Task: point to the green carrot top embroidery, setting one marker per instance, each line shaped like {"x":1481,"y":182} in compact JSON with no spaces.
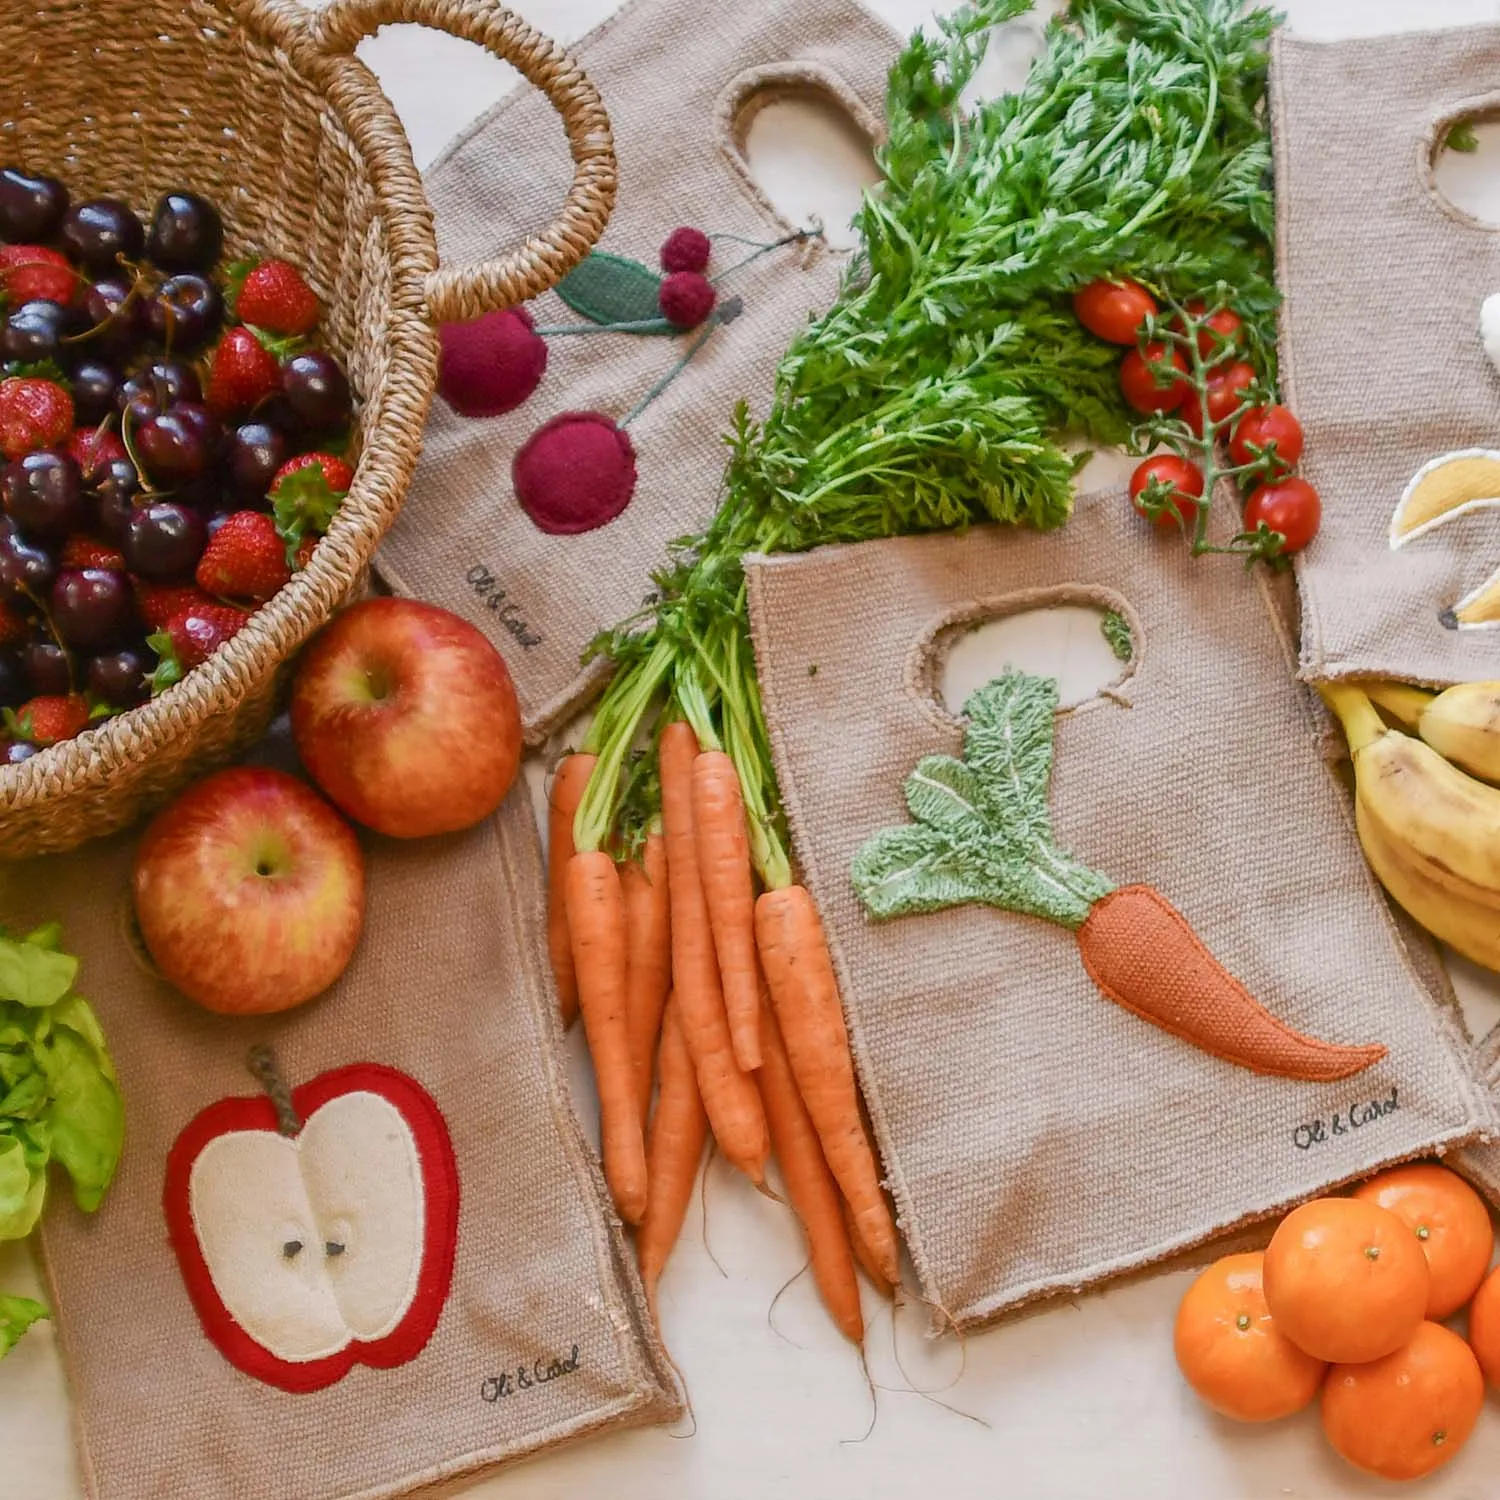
{"x":983,"y":835}
{"x":983,"y":832}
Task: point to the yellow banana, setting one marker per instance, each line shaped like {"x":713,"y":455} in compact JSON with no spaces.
{"x":1469,"y":927}
{"x":1462,"y":723}
{"x":1447,"y":823}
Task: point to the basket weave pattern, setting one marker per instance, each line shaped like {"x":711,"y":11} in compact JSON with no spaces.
{"x":261,"y":106}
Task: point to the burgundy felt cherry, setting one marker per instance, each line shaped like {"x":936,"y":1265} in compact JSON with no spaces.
{"x":686,"y":249}
{"x":575,"y":473}
{"x":687,"y":298}
{"x":490,"y":365}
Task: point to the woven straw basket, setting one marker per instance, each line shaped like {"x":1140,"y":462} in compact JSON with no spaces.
{"x":261,"y":106}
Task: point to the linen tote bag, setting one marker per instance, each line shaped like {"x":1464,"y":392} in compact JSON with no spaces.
{"x":1381,"y":353}
{"x":1036,"y":1137}
{"x":683,"y":79}
{"x":492,"y":1308}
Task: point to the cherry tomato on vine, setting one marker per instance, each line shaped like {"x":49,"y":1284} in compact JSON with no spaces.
{"x":1225,"y":322}
{"x":1290,"y":506}
{"x":1114,"y":310}
{"x":1168,"y":476}
{"x":1138,"y":380}
{"x":1262,"y":426}
{"x":1226,"y":388}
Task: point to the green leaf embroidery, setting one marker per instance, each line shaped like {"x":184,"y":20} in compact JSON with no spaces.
{"x":983,"y":831}
{"x":610,"y":289}
{"x":17,"y":1314}
{"x":1116,"y":630}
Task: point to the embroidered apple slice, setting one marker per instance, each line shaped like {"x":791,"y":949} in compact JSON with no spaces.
{"x":316,"y":1230}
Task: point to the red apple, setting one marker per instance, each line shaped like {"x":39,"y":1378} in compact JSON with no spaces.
{"x":322,"y":1241}
{"x":406,"y":717}
{"x":250,"y":892}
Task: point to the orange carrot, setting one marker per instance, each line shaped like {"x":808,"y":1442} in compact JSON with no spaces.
{"x":596,"y":925}
{"x":679,"y":1131}
{"x":862,"y":1254}
{"x":729,"y":1096}
{"x":805,"y":995}
{"x":729,"y":890}
{"x":568,"y":783}
{"x":1141,"y":953}
{"x":648,"y":956}
{"x":809,"y":1183}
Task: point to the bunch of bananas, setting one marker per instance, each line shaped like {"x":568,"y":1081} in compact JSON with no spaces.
{"x":1427,"y":816}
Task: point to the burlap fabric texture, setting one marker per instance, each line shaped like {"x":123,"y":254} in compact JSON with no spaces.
{"x":451,"y":987}
{"x":682,"y":80}
{"x":1381,"y":357}
{"x":1037,"y":1138}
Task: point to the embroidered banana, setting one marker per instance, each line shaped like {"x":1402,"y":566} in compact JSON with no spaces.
{"x":1462,"y":723}
{"x":1430,"y":833}
{"x":1440,"y":491}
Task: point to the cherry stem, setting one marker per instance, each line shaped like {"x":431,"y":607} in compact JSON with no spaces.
{"x":795,"y":238}
{"x":671,"y":374}
{"x":262,"y":1064}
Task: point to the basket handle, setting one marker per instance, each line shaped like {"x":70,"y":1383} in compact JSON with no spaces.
{"x":456,"y":294}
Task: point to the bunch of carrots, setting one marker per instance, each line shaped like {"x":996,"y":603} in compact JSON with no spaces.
{"x":724,"y":999}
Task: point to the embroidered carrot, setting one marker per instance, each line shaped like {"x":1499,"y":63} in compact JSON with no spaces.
{"x":729,"y":891}
{"x":809,"y":1183}
{"x":983,"y":834}
{"x":679,"y":1132}
{"x":568,"y":782}
{"x":805,"y":997}
{"x":729,"y":1096}
{"x":648,"y":960}
{"x":596,"y":927}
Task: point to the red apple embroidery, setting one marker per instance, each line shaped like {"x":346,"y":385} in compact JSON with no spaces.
{"x":316,"y":1229}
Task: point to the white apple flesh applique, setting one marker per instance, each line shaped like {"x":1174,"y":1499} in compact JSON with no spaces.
{"x":316,"y":1229}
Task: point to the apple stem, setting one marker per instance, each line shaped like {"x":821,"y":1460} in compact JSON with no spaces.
{"x":262,"y":1065}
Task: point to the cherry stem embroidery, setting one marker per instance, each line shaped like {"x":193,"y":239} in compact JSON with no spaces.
{"x":726,"y":313}
{"x":795,"y":238}
{"x":262,"y":1064}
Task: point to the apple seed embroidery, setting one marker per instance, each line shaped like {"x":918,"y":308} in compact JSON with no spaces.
{"x":316,"y":1227}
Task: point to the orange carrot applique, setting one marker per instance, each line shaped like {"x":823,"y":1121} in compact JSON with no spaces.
{"x":983,"y":834}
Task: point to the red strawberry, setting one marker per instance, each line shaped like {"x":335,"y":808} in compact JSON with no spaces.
{"x":305,"y":496}
{"x":91,"y":448}
{"x":45,"y":721}
{"x":337,"y":475}
{"x":274,"y":296}
{"x":244,"y":559}
{"x":12,"y":627}
{"x":160,"y":603}
{"x":243,"y":373}
{"x":33,"y":414}
{"x":188,"y":640}
{"x":81,"y":551}
{"x":32,"y":273}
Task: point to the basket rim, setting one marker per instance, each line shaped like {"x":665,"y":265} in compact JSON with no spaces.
{"x":387,"y":459}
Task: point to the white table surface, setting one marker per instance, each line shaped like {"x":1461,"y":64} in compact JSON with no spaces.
{"x":1080,"y":1401}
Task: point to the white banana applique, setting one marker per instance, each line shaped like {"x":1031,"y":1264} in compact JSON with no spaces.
{"x":1454,"y":485}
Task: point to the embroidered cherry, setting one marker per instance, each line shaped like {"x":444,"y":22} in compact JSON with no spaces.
{"x":316,"y":1227}
{"x":686,"y":298}
{"x":686,"y":249}
{"x":575,"y":473}
{"x":492,"y":364}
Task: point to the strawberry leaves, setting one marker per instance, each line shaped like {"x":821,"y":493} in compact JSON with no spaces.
{"x":303,"y":503}
{"x":169,"y":669}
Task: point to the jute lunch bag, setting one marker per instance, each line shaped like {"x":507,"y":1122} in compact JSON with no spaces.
{"x":1381,"y":353}
{"x":683,"y":79}
{"x":462,"y":1222}
{"x":1038,"y":1138}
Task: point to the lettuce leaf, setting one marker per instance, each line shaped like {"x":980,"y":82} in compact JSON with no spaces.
{"x":59,"y":1101}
